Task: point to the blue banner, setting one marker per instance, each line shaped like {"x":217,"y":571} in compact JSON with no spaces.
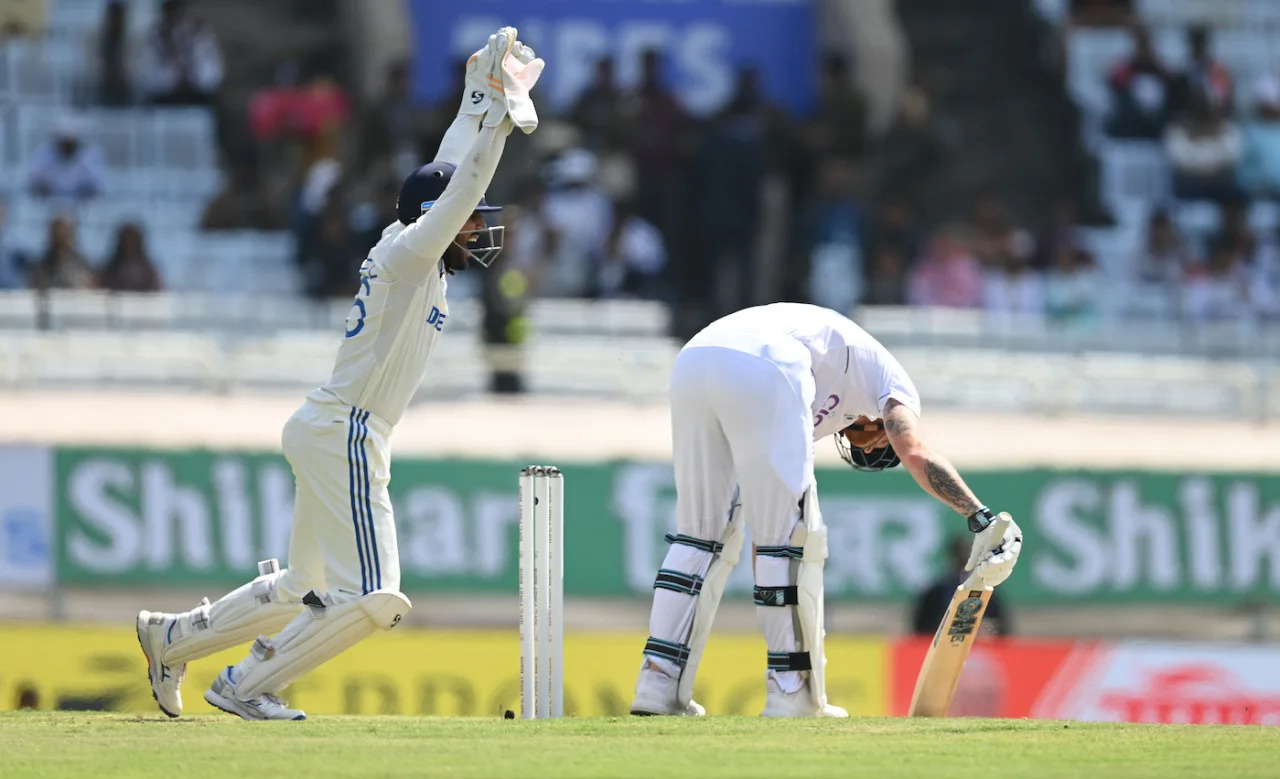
{"x":704,"y":42}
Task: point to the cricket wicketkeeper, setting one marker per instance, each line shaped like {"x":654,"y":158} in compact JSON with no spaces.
{"x":343,"y":579}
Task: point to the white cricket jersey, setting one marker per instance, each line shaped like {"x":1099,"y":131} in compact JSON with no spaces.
{"x":399,"y":312}
{"x":854,"y":375}
{"x":391,"y":331}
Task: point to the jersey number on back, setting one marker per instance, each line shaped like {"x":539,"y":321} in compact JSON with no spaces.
{"x":358,"y":312}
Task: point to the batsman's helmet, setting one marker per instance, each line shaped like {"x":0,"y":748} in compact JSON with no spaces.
{"x":875,"y":460}
{"x":420,"y":191}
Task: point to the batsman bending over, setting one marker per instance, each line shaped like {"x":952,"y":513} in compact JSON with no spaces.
{"x":343,"y":579}
{"x":749,"y":396}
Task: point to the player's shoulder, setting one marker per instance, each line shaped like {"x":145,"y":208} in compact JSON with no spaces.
{"x":389,"y":252}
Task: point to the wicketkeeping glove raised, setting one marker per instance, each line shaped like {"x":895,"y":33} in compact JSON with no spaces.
{"x":521,"y":69}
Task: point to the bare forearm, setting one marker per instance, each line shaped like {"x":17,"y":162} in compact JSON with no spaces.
{"x":932,"y":471}
{"x":937,"y":476}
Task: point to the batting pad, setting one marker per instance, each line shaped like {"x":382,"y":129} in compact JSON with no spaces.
{"x":321,"y":632}
{"x":707,"y":603}
{"x":235,"y":619}
{"x":811,"y":536}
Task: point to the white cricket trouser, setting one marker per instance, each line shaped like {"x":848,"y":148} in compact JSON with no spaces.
{"x":343,"y":540}
{"x":741,"y":420}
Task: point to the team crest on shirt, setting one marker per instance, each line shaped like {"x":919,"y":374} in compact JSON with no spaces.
{"x":827,"y":407}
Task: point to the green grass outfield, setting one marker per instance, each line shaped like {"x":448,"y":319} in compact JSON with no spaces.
{"x":96,"y":746}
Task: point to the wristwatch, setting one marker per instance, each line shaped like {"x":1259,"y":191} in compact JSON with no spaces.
{"x":979,"y":519}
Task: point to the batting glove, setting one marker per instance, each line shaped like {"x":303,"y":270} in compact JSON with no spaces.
{"x":996,"y":545}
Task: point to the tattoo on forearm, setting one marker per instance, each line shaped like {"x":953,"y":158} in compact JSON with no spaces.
{"x":895,"y":424}
{"x":947,"y":485}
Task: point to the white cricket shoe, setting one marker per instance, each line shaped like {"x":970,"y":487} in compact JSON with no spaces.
{"x":795,"y":704}
{"x":222,"y":695}
{"x":656,"y":696}
{"x":155,"y":632}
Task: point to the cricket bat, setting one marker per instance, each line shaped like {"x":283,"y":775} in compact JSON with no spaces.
{"x":940,"y":672}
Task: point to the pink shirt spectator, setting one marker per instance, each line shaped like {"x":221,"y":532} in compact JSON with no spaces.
{"x":305,"y":111}
{"x":947,"y":276}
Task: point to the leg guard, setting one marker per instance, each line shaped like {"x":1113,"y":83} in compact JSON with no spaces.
{"x":236,"y":618}
{"x":321,"y":632}
{"x":806,"y":554}
{"x":702,"y":594}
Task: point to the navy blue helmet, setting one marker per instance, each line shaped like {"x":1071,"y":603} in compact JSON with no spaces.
{"x":878,"y":459}
{"x":420,"y":191}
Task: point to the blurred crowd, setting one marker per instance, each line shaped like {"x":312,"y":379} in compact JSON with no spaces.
{"x":178,"y":63}
{"x":626,"y":194}
{"x":1222,"y":144}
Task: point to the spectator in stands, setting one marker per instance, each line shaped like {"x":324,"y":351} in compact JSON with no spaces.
{"x":886,"y":282}
{"x":1060,"y":231}
{"x":66,"y":167}
{"x":13,"y":265}
{"x":831,"y":229}
{"x":373,"y":207}
{"x":1260,"y":165}
{"x":129,"y":269}
{"x":1142,"y":92}
{"x":1266,"y":277}
{"x":1223,"y":289}
{"x":932,"y":602}
{"x":441,"y":114}
{"x":533,"y":242}
{"x":63,"y":266}
{"x":1204,"y":150}
{"x":181,"y":59}
{"x":599,"y":112}
{"x":914,"y":147}
{"x":632,"y":258}
{"x":394,"y":126}
{"x":114,"y":87}
{"x":310,"y":116}
{"x":893,"y":227}
{"x":948,"y":274}
{"x":1204,"y":75}
{"x":997,"y":244}
{"x":1161,"y":263}
{"x":329,"y":265}
{"x":732,"y":162}
{"x":1074,"y":290}
{"x":1014,"y":287}
{"x":237,"y":206}
{"x":580,"y":213}
{"x":660,"y":144}
{"x":1235,"y":233}
{"x":839,"y":126}
{"x":320,"y":187}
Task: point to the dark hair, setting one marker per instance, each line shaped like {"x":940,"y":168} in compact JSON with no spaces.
{"x":117,"y":254}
